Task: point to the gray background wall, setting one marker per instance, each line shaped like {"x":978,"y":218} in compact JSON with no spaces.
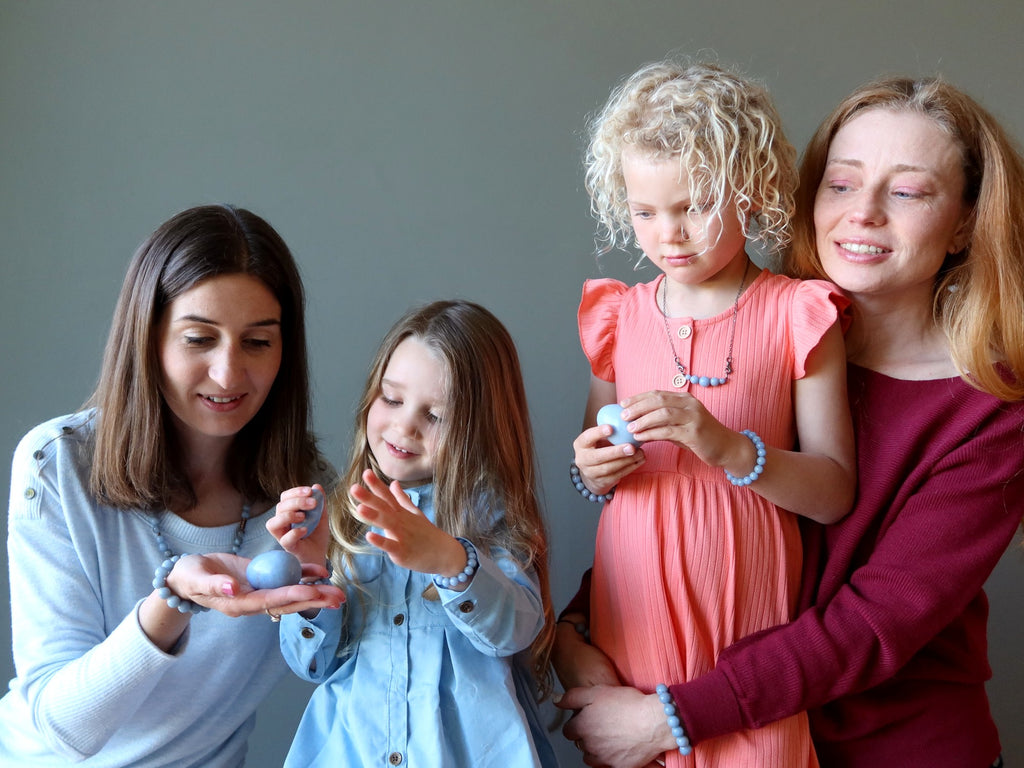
{"x":406,"y":151}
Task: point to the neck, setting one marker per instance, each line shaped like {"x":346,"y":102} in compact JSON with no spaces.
{"x":709,"y":298}
{"x":204,"y":462}
{"x":898,"y":338}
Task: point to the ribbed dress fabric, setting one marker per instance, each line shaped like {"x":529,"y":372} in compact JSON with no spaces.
{"x":685,"y":562}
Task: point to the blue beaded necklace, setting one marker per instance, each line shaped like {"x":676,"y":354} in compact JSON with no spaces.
{"x":165,"y":548}
{"x":692,"y":378}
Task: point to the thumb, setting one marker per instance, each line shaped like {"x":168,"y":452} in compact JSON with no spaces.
{"x":575,"y":698}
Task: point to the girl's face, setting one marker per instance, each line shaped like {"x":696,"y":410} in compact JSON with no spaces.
{"x":403,"y":423}
{"x":680,"y":235}
{"x":220,"y":351}
{"x":890,"y":204}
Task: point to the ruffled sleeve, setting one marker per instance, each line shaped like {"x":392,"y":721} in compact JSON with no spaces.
{"x":816,"y":306}
{"x":598,"y":321}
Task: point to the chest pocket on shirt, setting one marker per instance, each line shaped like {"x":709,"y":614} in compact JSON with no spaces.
{"x":367,"y":568}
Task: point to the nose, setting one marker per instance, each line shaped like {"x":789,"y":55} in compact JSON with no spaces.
{"x":406,"y":424}
{"x":673,"y":229}
{"x":227,"y":368}
{"x":867,"y":207}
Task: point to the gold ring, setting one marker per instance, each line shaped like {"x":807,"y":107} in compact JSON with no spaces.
{"x":273,"y":616}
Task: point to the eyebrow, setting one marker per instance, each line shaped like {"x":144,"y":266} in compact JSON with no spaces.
{"x":900,"y":168}
{"x":270,"y":321}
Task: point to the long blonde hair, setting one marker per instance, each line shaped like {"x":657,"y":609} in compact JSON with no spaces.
{"x":485,"y":458}
{"x":978,"y":297}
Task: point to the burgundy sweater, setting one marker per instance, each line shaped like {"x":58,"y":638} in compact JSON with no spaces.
{"x":888,"y":652}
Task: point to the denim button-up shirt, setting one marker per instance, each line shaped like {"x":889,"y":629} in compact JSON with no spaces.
{"x":409,"y":680}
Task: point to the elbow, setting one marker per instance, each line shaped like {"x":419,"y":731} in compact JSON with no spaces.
{"x":839,"y":500}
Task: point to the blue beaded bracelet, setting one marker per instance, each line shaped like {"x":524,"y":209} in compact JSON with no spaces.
{"x":758,"y":463}
{"x":165,"y":592}
{"x":586,"y":493}
{"x":450,"y":582}
{"x":678,"y":732}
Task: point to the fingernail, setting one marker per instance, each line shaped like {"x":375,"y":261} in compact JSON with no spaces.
{"x":227,"y":589}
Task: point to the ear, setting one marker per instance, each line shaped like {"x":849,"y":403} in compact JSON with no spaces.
{"x":962,"y":235}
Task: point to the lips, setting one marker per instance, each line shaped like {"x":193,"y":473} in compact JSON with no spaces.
{"x":679,"y":259}
{"x":863,"y":249}
{"x":221,"y":403}
{"x":399,"y":453}
{"x":221,"y":400}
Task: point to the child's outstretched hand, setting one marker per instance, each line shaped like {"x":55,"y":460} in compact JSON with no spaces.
{"x":409,"y":539}
{"x":292,"y":509}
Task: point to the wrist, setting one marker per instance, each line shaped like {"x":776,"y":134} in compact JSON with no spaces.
{"x":455,"y":558}
{"x":750,"y":459}
{"x":174,"y":598}
{"x":672,"y":734}
{"x":460,"y":579}
{"x":576,"y":478}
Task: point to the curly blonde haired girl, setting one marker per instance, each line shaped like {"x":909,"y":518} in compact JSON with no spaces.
{"x":721,"y":129}
{"x":723,"y":371}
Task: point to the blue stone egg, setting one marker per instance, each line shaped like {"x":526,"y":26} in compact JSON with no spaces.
{"x":313,"y":516}
{"x":612,"y":414}
{"x":274,"y":569}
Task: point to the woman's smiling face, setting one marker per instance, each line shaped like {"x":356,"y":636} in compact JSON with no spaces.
{"x":220,"y":352}
{"x":889,"y":207}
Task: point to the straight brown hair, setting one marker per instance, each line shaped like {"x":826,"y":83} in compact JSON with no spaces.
{"x":136,"y":461}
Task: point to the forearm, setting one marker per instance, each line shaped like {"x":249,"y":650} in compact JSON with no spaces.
{"x":162,"y":624}
{"x":813,"y":486}
{"x":500,"y":611}
{"x":79,"y":704}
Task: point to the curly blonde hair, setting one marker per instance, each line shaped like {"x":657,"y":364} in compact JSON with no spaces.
{"x":721,"y":126}
{"x":979,"y":291}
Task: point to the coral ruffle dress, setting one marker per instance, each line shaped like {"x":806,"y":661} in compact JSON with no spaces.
{"x":685,"y":562}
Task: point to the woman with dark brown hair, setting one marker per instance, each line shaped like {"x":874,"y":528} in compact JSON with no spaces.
{"x":133,"y":518}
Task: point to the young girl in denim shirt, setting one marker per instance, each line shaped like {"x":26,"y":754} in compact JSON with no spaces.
{"x":438,"y":540}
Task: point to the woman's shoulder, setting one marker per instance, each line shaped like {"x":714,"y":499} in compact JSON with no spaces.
{"x":948,"y":405}
{"x":44,"y":440}
{"x":325,"y":473}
